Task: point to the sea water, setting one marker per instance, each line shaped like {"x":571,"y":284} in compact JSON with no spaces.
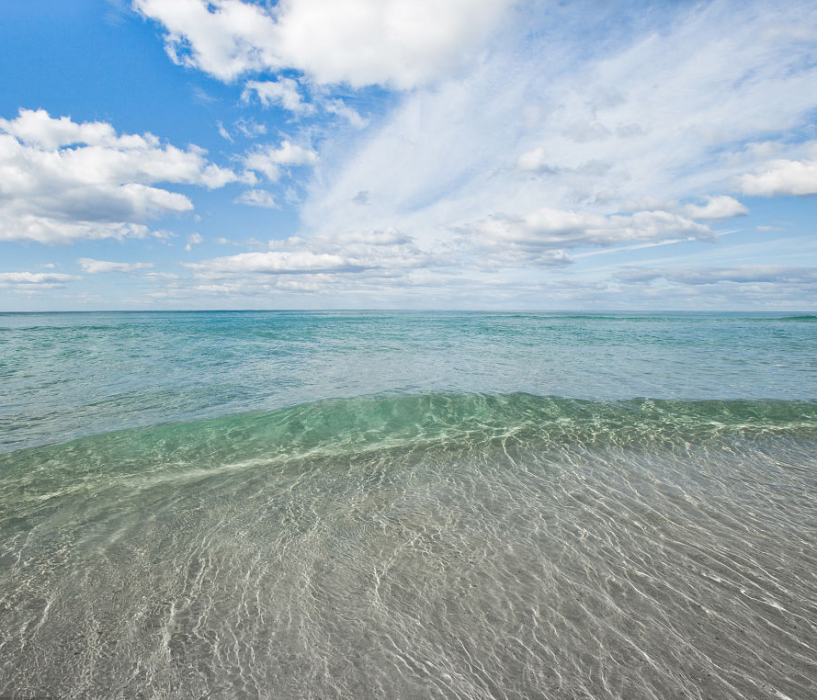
{"x":408,"y":505}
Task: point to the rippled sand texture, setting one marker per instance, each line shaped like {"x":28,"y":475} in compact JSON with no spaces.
{"x":433,"y":547}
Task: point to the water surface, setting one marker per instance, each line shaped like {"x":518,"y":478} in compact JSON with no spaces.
{"x":285,"y":505}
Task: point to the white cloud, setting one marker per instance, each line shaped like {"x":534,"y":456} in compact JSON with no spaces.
{"x":285,"y":93}
{"x":399,"y":43}
{"x":390,"y":260}
{"x":223,"y":132}
{"x":251,"y":128}
{"x":93,"y":267}
{"x":356,"y":253}
{"x":277,"y":262}
{"x":388,"y":237}
{"x":282,"y":92}
{"x":746,"y":274}
{"x":201,"y":95}
{"x":782,"y":177}
{"x":270,"y":160}
{"x":100,"y":156}
{"x":193,"y":239}
{"x":227,"y":42}
{"x":257,"y":198}
{"x":61,"y":181}
{"x":37,"y":128}
{"x":341,"y":109}
{"x":534,"y":161}
{"x":548,"y":229}
{"x":41,"y":280}
{"x":721,"y":207}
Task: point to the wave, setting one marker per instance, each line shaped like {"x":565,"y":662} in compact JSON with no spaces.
{"x":341,"y":428}
{"x":807,"y":318}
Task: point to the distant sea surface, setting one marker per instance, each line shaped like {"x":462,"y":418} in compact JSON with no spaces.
{"x":408,"y":505}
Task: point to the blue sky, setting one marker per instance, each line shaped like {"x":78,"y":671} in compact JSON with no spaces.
{"x":474,"y":154}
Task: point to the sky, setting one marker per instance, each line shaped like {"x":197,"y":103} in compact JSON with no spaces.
{"x":408,"y":154}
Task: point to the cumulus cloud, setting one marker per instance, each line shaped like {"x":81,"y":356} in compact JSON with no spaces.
{"x":270,"y":160}
{"x":782,"y":177}
{"x":360,"y":256}
{"x":721,"y":207}
{"x":93,"y":267}
{"x":193,"y":239}
{"x":286,"y":94}
{"x":257,"y":198}
{"x":33,"y":281}
{"x":386,"y":252}
{"x":387,"y":237}
{"x":548,"y":229}
{"x":61,"y":180}
{"x":283,"y":93}
{"x":38,"y":128}
{"x":280,"y":262}
{"x":398,"y":43}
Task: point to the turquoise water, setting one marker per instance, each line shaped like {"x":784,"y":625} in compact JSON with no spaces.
{"x":451,"y":505}
{"x":68,"y":375}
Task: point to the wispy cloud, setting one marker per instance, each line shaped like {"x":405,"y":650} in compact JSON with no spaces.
{"x":747,"y":274}
{"x":93,"y":267}
{"x":250,"y":128}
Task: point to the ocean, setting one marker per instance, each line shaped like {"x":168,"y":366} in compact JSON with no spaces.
{"x":408,"y":505}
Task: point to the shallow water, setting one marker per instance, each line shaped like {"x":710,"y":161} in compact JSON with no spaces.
{"x":68,"y":375}
{"x":433,"y":541}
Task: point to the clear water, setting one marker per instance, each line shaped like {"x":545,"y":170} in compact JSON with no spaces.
{"x":361,"y":505}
